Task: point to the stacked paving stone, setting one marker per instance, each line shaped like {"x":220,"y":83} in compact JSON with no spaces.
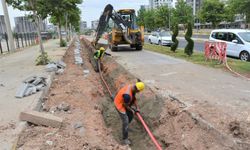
{"x":30,"y":86}
{"x":57,"y":67}
{"x":77,"y":52}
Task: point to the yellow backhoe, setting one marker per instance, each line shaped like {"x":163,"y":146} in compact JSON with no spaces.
{"x":124,"y":28}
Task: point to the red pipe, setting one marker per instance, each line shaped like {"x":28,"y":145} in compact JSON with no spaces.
{"x":99,"y":68}
{"x":149,"y":132}
{"x":137,"y":113}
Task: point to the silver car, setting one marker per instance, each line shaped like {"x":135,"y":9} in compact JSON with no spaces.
{"x":161,"y":38}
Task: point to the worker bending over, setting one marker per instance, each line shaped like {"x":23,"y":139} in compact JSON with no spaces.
{"x":98,"y":55}
{"x":124,"y":100}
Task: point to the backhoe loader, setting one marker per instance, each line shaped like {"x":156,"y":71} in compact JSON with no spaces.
{"x":124,"y":28}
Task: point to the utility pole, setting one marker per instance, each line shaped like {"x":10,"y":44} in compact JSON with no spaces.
{"x":8,"y":28}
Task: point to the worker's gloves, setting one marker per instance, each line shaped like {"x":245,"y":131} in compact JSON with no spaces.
{"x":112,"y":97}
{"x":135,"y":110}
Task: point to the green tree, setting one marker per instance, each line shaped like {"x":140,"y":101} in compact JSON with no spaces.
{"x":190,"y":45}
{"x":212,"y":11}
{"x":140,"y":17}
{"x":56,"y":8}
{"x":149,"y":19}
{"x":162,"y":16}
{"x":183,"y":13}
{"x":240,"y":7}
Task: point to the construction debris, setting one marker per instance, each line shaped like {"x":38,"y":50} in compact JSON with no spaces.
{"x":86,"y":72}
{"x":57,"y":67}
{"x":30,"y":86}
{"x":49,"y":143}
{"x":40,"y":118}
{"x":78,"y":125}
{"x":61,"y":107}
{"x":77,"y":53}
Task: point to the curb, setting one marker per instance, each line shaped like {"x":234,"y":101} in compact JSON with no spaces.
{"x":37,"y":103}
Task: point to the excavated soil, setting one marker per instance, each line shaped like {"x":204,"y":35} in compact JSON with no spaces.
{"x":83,"y":125}
{"x":100,"y":126}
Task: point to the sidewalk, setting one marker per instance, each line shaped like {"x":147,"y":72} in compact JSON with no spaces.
{"x":14,"y":68}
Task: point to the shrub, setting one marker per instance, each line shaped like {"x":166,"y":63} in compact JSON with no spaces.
{"x":63,"y":43}
{"x":174,"y":46}
{"x":190,"y":45}
{"x":42,"y":59}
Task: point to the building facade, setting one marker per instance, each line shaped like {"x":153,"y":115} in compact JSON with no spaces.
{"x":94,"y":24}
{"x":2,"y":25}
{"x":83,"y":25}
{"x":24,"y":24}
{"x":157,"y":3}
{"x":195,"y":4}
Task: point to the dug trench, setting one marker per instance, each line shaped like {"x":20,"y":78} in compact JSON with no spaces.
{"x":91,"y":121}
{"x":168,"y":118}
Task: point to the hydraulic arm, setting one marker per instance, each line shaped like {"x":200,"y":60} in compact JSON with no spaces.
{"x":122,"y":24}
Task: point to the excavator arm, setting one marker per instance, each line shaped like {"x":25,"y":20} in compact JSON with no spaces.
{"x":104,"y":20}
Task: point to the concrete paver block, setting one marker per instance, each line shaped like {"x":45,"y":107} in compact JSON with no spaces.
{"x":22,"y":90}
{"x":39,"y":87}
{"x":51,"y":67}
{"x":61,"y":64}
{"x":40,"y":118}
{"x":28,"y":91}
{"x":37,"y":81}
{"x":30,"y":79}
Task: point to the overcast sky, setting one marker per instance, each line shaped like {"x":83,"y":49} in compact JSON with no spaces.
{"x":91,"y":9}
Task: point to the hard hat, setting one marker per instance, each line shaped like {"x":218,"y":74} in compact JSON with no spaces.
{"x":102,"y":49}
{"x":140,"y":86}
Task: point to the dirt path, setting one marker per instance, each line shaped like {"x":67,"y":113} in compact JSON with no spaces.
{"x":14,"y":68}
{"x":83,"y":127}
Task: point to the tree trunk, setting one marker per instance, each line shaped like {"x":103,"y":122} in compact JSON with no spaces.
{"x":39,"y":35}
{"x":59,"y":26}
{"x":37,"y":22}
{"x":66,"y":28}
{"x":70,"y":32}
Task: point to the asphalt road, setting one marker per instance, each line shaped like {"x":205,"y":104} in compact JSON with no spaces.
{"x":195,"y":84}
{"x":203,"y":89}
{"x":198,"y":44}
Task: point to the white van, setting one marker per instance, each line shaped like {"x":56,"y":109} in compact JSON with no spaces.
{"x":238,"y":41}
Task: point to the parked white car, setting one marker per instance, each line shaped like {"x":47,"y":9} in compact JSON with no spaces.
{"x":160,"y":38}
{"x":238,"y":42}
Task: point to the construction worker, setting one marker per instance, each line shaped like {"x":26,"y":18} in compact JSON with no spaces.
{"x":98,"y":55}
{"x":126,"y":105}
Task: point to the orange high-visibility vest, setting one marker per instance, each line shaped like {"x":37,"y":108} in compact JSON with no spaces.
{"x":119,"y":101}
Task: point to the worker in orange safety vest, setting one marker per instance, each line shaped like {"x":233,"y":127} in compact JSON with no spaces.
{"x":124,"y":102}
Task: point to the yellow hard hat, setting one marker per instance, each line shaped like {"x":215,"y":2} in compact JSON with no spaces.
{"x":140,"y":86}
{"x":102,"y":49}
